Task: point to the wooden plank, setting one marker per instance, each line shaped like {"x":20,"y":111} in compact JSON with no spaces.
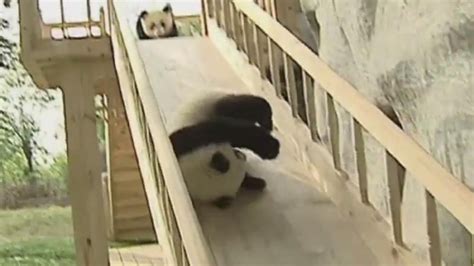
{"x":290,"y":84}
{"x":433,"y":230}
{"x":359,"y":147}
{"x":236,"y":26}
{"x":277,"y":62}
{"x":244,"y":33}
{"x":218,"y":12}
{"x":134,"y":224}
{"x":393,"y":182}
{"x":191,"y":232}
{"x":204,"y":14}
{"x":448,"y":190}
{"x":251,"y":52}
{"x":227,"y":19}
{"x":85,"y":184}
{"x":134,"y":212}
{"x":309,"y":87}
{"x":333,"y":127}
{"x":300,"y":92}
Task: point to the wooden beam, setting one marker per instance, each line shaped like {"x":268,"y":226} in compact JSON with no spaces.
{"x":85,"y":184}
{"x":446,"y":188}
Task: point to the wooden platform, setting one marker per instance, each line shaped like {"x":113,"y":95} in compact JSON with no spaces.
{"x":292,"y":222}
{"x":136,"y":255}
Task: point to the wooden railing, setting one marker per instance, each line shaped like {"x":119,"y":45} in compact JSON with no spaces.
{"x":85,"y":29}
{"x":267,"y":43}
{"x":174,"y":219}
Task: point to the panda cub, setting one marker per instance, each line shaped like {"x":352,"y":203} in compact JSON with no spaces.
{"x":206,"y":136}
{"x":163,"y":24}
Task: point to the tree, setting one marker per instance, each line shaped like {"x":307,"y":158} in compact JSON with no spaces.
{"x":19,"y":100}
{"x":19,"y":130}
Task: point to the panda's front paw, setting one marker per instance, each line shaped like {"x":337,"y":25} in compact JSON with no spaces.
{"x":223,"y":202}
{"x":253,"y":183}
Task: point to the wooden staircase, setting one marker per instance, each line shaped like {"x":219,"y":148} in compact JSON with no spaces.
{"x":130,"y":218}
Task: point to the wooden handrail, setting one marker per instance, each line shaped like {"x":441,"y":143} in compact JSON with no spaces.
{"x":448,"y":190}
{"x":196,"y":246}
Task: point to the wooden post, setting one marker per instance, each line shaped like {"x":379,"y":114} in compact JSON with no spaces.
{"x":85,"y":184}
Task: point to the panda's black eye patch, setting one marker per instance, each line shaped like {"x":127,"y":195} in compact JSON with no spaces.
{"x":162,"y":24}
{"x":220,"y":163}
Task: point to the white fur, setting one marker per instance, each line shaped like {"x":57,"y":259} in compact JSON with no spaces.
{"x":207,"y":184}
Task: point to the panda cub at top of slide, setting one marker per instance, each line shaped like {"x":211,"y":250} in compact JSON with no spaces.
{"x":206,"y":134}
{"x":158,"y":24}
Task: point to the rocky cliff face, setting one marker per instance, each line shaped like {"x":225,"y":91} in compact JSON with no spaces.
{"x":415,"y":60}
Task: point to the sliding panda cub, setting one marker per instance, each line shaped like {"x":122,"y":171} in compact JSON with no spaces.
{"x":160,"y":24}
{"x":206,"y":137}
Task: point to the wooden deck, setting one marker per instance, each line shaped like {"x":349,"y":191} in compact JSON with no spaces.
{"x":292,"y":222}
{"x":136,"y":255}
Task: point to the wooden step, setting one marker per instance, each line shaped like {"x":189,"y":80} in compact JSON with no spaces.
{"x":143,"y":222}
{"x":147,"y":234}
{"x":123,"y":160}
{"x":126,"y":175}
{"x":124,"y":202}
{"x":131,"y":212}
{"x":127,"y":192}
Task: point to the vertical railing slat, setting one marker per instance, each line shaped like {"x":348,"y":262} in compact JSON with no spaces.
{"x":395,"y":197}
{"x":361,"y":163}
{"x":309,"y":97}
{"x":433,"y":230}
{"x":333,"y":126}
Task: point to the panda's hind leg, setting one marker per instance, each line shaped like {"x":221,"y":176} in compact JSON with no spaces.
{"x":253,"y":183}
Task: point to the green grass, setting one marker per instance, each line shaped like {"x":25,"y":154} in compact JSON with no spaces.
{"x":36,"y":237}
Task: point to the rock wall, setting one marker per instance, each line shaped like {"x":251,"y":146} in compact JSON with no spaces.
{"x":415,"y":60}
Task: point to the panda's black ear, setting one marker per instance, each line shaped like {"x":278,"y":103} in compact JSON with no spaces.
{"x":167,"y":8}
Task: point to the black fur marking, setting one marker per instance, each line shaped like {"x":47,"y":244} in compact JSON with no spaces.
{"x":223,"y":202}
{"x":247,"y":107}
{"x":174,"y":30}
{"x":172,"y":33}
{"x":238,"y":133}
{"x":167,"y":8}
{"x":220,"y":163}
{"x":139,"y":27}
{"x":253,"y":183}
